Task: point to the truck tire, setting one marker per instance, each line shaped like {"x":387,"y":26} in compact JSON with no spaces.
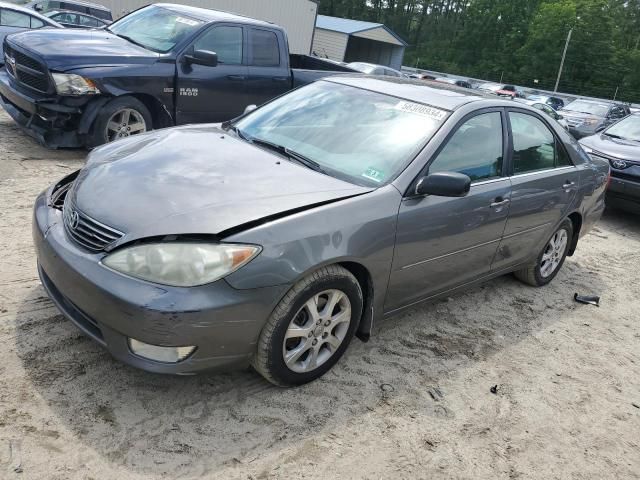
{"x":120,"y":118}
{"x":550,"y":260}
{"x":311,"y":327}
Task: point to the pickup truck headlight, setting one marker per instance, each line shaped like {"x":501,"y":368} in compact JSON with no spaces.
{"x":70,"y":84}
{"x":181,"y":264}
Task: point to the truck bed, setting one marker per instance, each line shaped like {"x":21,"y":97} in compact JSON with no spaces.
{"x":306,"y":69}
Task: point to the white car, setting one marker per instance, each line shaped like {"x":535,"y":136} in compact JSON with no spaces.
{"x":16,"y":19}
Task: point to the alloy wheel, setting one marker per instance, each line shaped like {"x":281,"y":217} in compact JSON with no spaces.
{"x":553,"y":253}
{"x":316,"y":331}
{"x":124,"y":123}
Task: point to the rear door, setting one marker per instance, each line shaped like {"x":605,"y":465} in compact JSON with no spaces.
{"x":444,"y":242}
{"x":544,"y":182}
{"x":214,"y":94}
{"x":269,"y":74}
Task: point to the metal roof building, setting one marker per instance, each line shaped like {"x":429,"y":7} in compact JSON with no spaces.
{"x":297,"y":17}
{"x":347,"y":40}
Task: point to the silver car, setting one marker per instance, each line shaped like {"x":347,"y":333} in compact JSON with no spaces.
{"x":272,"y":240}
{"x":14,"y":18}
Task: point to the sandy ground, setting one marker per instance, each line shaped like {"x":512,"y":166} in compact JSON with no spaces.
{"x":414,"y":402}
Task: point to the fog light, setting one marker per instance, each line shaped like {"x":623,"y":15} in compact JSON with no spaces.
{"x":160,"y":354}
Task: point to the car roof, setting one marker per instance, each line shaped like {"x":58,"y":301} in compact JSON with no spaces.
{"x":442,"y":95}
{"x":28,"y":11}
{"x":208,"y":15}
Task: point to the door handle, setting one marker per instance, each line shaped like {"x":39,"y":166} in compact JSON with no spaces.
{"x":281,"y":79}
{"x":236,"y":77}
{"x":568,"y":186}
{"x":499,"y":203}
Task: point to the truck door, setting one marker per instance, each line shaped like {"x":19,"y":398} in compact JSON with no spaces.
{"x":269,"y":74}
{"x":213,"y":94}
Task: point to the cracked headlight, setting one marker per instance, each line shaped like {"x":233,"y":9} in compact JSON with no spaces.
{"x":70,"y":84}
{"x":181,"y":264}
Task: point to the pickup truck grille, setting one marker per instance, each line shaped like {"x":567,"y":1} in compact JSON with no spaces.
{"x":26,"y":70}
{"x":85,"y":231}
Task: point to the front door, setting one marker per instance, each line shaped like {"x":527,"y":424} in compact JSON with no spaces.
{"x":544,"y":181}
{"x":213,"y":94}
{"x":445,"y":242}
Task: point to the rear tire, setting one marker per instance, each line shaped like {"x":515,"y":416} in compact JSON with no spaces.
{"x":311,"y":327}
{"x":550,"y":260}
{"x":120,"y":118}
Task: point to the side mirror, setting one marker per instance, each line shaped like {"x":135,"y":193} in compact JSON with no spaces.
{"x":202,"y":57}
{"x":37,"y":7}
{"x":250,"y":108}
{"x":444,"y":184}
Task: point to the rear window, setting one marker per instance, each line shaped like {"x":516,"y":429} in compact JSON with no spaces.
{"x":264,"y":48}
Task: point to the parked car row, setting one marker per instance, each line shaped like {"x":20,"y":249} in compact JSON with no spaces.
{"x":274,"y":234}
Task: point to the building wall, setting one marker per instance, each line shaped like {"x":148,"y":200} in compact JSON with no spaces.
{"x":371,"y":51}
{"x":297,"y":17}
{"x":328,"y":44}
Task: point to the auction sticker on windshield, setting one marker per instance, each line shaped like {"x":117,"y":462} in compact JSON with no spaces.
{"x":373,"y":174}
{"x":188,"y":21}
{"x":423,"y":110}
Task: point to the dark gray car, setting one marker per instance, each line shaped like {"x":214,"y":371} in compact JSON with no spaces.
{"x":587,"y":117}
{"x":620,"y":145}
{"x":273,"y":239}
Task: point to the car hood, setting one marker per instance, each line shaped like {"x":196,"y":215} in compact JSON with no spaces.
{"x":613,"y":147}
{"x":67,"y":49}
{"x":195,"y":180}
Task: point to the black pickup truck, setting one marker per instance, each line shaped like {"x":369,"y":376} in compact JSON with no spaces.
{"x":159,"y":66}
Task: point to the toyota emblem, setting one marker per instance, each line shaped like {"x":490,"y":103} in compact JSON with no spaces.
{"x":12,"y":61}
{"x":74,"y":220}
{"x":619,"y":164}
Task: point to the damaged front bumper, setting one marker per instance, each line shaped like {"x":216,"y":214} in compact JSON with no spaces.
{"x":223,"y":323}
{"x":55,"y":122}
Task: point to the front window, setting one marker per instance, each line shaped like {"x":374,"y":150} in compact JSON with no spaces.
{"x":226,"y":41}
{"x":627,"y":129}
{"x":363,"y":137}
{"x":591,"y":108}
{"x":475,"y":149}
{"x":155,"y":28}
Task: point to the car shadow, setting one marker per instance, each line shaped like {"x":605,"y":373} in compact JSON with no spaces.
{"x":183,"y":426}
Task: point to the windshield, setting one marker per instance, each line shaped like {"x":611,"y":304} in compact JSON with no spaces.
{"x":360,"y":136}
{"x":155,"y":28}
{"x":599,"y":109}
{"x":627,"y":129}
{"x":362,"y":67}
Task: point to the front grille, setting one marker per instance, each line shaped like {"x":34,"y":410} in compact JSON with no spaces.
{"x":26,"y":70}
{"x":85,"y":231}
{"x":625,"y":176}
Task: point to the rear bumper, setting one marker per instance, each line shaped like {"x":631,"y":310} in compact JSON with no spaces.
{"x":624,"y":193}
{"x":223,"y":323}
{"x":46,"y":119}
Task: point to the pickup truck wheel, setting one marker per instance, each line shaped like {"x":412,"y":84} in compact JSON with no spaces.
{"x":550,"y":259}
{"x":120,"y":118}
{"x":310,"y":328}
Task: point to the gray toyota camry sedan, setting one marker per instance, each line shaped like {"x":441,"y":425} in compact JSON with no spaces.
{"x":274,"y":239}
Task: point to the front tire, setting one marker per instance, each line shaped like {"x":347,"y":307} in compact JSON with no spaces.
{"x":550,"y":259}
{"x":120,"y":118}
{"x":311,"y":327}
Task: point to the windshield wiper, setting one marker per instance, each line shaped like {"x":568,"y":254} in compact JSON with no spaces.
{"x":230,"y":127}
{"x":129,"y":39}
{"x":301,"y":159}
{"x":612,"y":135}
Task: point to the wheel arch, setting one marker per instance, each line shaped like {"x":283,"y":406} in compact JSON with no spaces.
{"x":363,"y":276}
{"x":159,"y":113}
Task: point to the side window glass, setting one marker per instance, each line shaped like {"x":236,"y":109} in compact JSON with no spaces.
{"x":87,"y":21}
{"x":534,"y":146}
{"x":36,"y":23}
{"x":225,"y":41}
{"x":11,"y":18}
{"x":475,"y":149}
{"x":264,"y":48}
